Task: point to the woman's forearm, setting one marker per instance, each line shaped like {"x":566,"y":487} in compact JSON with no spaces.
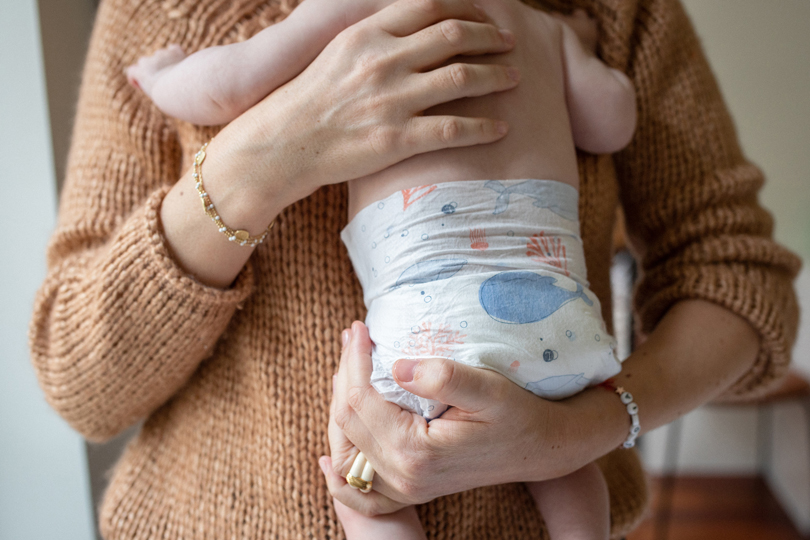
{"x":339,"y":119}
{"x":697,"y":351}
{"x":242,"y":202}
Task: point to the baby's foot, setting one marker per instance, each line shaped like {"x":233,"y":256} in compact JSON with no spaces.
{"x":149,"y":69}
{"x":403,"y":524}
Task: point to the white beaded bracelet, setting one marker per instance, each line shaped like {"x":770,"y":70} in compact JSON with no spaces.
{"x":632,"y":410}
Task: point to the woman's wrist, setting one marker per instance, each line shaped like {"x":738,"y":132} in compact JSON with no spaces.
{"x":244,"y":197}
{"x":594,"y":422}
{"x":247,"y":181}
{"x":560,"y":437}
{"x":667,"y":376}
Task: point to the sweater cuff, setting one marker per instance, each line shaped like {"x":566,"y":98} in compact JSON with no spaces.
{"x":166,"y":269}
{"x":760,"y":294}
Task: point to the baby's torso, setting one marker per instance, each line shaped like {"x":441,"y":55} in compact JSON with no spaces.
{"x":539,"y":143}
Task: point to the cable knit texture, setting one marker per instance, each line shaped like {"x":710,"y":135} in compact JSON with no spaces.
{"x":234,"y":385}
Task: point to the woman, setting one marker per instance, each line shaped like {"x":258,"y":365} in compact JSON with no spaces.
{"x":232,"y":367}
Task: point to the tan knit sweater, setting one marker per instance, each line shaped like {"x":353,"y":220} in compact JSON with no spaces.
{"x":235,"y":384}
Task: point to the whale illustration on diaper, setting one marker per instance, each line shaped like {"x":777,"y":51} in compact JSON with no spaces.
{"x":544,"y":195}
{"x":431,"y":270}
{"x":520,"y":297}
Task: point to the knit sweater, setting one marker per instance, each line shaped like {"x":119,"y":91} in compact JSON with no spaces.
{"x":234,"y":384}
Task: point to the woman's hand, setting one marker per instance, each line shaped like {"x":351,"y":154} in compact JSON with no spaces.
{"x":494,"y":433}
{"x":498,"y":432}
{"x":357,"y":108}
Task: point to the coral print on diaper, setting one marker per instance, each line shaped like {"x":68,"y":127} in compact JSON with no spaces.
{"x":525,"y":297}
{"x":478,"y":239}
{"x":547,"y":250}
{"x":544,"y":197}
{"x":429,"y":340}
{"x":411,"y":195}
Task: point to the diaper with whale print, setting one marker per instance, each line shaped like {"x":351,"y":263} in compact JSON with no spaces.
{"x":490,"y":273}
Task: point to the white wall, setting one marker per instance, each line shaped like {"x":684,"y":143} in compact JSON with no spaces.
{"x":43,"y":478}
{"x":760,"y":53}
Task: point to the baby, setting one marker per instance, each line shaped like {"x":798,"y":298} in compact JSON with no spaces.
{"x":472,"y":253}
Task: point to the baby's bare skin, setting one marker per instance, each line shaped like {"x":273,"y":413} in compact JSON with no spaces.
{"x":543,"y":132}
{"x":566,"y":97}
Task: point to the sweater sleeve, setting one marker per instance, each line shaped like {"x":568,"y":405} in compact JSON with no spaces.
{"x":117,"y":327}
{"x":690,"y":198}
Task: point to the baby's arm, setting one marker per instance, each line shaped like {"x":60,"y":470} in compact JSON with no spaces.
{"x":217,"y":84}
{"x":601,"y":100}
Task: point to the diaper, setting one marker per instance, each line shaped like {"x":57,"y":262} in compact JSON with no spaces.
{"x":489,"y":273}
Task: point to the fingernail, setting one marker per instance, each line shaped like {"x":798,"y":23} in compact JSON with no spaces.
{"x":322,"y":464}
{"x":481,"y":13}
{"x":502,"y":127}
{"x":404,"y":369}
{"x":345,"y":337}
{"x":334,"y":382}
{"x":513,"y":73}
{"x":507,"y":36}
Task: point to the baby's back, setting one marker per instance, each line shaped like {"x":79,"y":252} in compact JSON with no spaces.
{"x":540,"y":142}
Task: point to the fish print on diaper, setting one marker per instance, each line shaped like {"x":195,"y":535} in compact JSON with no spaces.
{"x":544,"y":195}
{"x":432,"y":270}
{"x":566,"y":384}
{"x":488,"y":273}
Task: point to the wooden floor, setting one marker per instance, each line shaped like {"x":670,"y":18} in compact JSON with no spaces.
{"x":718,"y":508}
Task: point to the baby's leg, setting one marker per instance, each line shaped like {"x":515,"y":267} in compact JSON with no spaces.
{"x":402,"y":525}
{"x":215,"y":85}
{"x":576,"y":506}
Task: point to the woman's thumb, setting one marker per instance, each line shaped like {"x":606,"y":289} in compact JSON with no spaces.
{"x":446,"y":381}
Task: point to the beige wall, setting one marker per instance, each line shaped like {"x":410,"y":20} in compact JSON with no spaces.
{"x":760,"y":53}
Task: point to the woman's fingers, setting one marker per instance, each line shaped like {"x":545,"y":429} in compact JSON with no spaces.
{"x":358,"y":405}
{"x":369,"y":504}
{"x":357,"y":108}
{"x":436,"y":44}
{"x":429,"y":133}
{"x":342,"y":450}
{"x":406,"y":17}
{"x":458,"y":81}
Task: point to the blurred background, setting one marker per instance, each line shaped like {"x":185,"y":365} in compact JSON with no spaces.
{"x":49,"y":477}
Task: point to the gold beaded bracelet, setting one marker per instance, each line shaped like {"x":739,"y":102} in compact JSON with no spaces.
{"x":240,"y":236}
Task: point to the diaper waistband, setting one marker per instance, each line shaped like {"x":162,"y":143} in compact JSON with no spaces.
{"x":477,"y":225}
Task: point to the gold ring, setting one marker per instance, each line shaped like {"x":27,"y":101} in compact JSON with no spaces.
{"x":358,"y":483}
{"x":361,"y":474}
